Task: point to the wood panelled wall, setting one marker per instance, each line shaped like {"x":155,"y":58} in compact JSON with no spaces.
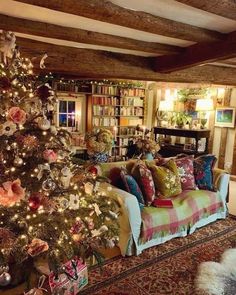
{"x":222,"y":141}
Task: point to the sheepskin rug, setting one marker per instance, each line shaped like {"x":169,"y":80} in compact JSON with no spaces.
{"x":215,"y":278}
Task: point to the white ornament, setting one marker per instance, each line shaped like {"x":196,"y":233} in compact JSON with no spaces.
{"x":88,"y":188}
{"x":74,"y":202}
{"x":53,"y":129}
{"x":44,"y":124}
{"x":96,"y":209}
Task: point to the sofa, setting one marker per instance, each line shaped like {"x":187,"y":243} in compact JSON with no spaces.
{"x":151,"y":226}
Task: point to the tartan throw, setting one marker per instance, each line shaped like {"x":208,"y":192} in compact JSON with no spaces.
{"x":188,"y":208}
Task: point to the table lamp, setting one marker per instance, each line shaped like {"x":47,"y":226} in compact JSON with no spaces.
{"x":203,"y":106}
{"x":166,"y":106}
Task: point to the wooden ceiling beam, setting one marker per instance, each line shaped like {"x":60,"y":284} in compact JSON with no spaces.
{"x":198,"y":54}
{"x":82,"y":36}
{"x":226,"y":8}
{"x":105,"y":11}
{"x":102,"y":64}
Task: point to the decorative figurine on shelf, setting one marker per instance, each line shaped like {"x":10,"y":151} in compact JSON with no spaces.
{"x":99,"y":144}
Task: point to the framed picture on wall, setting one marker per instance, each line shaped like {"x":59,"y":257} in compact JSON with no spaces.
{"x":225,"y":117}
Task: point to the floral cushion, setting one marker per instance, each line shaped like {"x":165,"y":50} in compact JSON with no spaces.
{"x":166,"y":179}
{"x":185,"y":169}
{"x":131,"y":186}
{"x":203,"y":171}
{"x":143,"y":176}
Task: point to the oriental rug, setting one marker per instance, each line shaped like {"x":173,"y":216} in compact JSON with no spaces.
{"x":169,"y":268}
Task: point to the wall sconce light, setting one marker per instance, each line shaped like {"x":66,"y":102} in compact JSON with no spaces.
{"x":203,"y":106}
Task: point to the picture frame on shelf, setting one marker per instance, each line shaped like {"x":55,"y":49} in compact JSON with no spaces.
{"x":225,"y":117}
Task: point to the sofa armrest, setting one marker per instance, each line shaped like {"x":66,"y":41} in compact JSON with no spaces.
{"x":129,"y":219}
{"x":221,"y":182}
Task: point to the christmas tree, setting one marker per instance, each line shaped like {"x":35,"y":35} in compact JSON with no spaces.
{"x":49,"y":206}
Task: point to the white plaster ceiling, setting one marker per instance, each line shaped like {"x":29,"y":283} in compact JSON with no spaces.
{"x":180,"y":12}
{"x":81,"y":45}
{"x":26,"y":11}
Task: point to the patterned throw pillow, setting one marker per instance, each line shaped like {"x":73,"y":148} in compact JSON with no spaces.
{"x":131,"y":186}
{"x":115,"y":177}
{"x":143,"y":176}
{"x":185,"y":169}
{"x":203,"y":171}
{"x":166,"y":179}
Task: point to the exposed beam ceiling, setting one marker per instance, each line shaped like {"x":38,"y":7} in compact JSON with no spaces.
{"x":82,"y":36}
{"x":198,"y":54}
{"x":226,"y":8}
{"x":94,"y":64}
{"x":108,"y":12}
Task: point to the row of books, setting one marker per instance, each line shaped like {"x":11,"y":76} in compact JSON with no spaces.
{"x":128,"y":131}
{"x":104,"y":100}
{"x":105,"y":89}
{"x":105,"y":122}
{"x":130,"y":111}
{"x":131,"y":101}
{"x":105,"y":110}
{"x":132,"y":92}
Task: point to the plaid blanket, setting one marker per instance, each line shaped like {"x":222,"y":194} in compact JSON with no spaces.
{"x":189,"y":207}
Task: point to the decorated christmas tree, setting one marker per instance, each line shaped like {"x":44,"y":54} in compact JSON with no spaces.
{"x":49,"y":207}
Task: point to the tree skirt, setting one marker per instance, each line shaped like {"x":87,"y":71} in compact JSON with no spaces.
{"x":169,"y":268}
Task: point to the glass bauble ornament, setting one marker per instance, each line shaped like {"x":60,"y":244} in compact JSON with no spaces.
{"x":5,"y":279}
{"x":18,"y":162}
{"x":44,"y":124}
{"x":34,"y":201}
{"x":48,"y":185}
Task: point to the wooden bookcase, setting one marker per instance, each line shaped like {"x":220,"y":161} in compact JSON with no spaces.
{"x":112,"y":106}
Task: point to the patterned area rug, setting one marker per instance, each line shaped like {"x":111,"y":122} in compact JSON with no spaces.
{"x":169,"y":268}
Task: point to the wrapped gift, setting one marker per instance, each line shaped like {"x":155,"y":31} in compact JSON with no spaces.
{"x":72,"y":277}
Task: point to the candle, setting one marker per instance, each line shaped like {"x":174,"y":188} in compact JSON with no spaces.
{"x":144,"y":129}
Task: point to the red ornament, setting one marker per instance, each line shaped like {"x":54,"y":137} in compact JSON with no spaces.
{"x":34,"y":201}
{"x":93,"y":170}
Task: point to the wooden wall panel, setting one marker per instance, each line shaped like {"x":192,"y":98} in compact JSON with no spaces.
{"x":222,"y":148}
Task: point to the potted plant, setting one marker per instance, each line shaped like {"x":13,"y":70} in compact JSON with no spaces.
{"x":181,"y":119}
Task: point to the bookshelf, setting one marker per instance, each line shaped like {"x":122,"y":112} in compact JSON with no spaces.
{"x":117,"y":106}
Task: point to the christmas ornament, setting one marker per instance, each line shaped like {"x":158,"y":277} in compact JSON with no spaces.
{"x":18,"y":162}
{"x":4,"y":268}
{"x":8,"y":128}
{"x":66,"y":177}
{"x":88,"y":188}
{"x":5,"y":279}
{"x":63,"y":203}
{"x":50,"y":156}
{"x":34,"y":201}
{"x":44,"y":124}
{"x":93,"y":170}
{"x":48,"y":185}
{"x":74,"y":202}
{"x":53,"y":129}
{"x":36,"y":247}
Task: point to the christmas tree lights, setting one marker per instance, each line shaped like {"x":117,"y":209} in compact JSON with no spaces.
{"x":49,"y":206}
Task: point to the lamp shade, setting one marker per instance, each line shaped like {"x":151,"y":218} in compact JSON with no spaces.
{"x":166,"y":106}
{"x":204,"y":104}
